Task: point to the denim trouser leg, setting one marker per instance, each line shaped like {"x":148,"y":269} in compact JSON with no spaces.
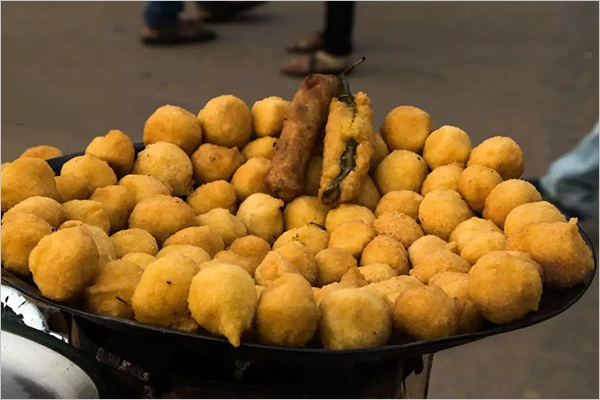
{"x":573,"y":178}
{"x":158,"y":13}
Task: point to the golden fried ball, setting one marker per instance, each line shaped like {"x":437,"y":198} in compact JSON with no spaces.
{"x":162,"y":216}
{"x":559,"y":248}
{"x":134,"y":241}
{"x":386,"y":250}
{"x":223,"y":301}
{"x":95,"y":171}
{"x":406,"y":128}
{"x":89,"y":212}
{"x":268,"y":115}
{"x":531,"y":213}
{"x":45,"y":208}
{"x":116,"y":148}
{"x":312,"y":179}
{"x":161,"y":296}
{"x":72,"y":188}
{"x":168,"y":163}
{"x":440,"y":261}
{"x":481,"y":245}
{"x":346,"y":213}
{"x":141,"y":259}
{"x":352,"y":236}
{"x":302,"y":259}
{"x":392,"y":288}
{"x":174,"y":125}
{"x":425,"y":313}
{"x":43,"y":152}
{"x":262,"y":216}
{"x":354,"y":319}
{"x":24,"y":178}
{"x":227,"y":225}
{"x":249,"y":178}
{"x":380,"y":151}
{"x":204,"y":237}
{"x":312,"y":236}
{"x":214,"y":163}
{"x":251,"y":246}
{"x":427,"y":245}
{"x":353,"y":278}
{"x":507,"y":196}
{"x":444,"y":177}
{"x":112,"y":290}
{"x":504,"y":287}
{"x":475,"y":184}
{"x":197,"y":254}
{"x":226,"y":121}
{"x":441,"y":211}
{"x":470,"y":229}
{"x":304,"y":210}
{"x":402,"y":201}
{"x":106,"y":249}
{"x":287,"y":313}
{"x":374,"y":273}
{"x":64,"y":263}
{"x":249,"y":264}
{"x":262,"y":147}
{"x":369,"y":194}
{"x":500,"y":153}
{"x":399,"y":226}
{"x":145,"y":186}
{"x":401,"y":170}
{"x":118,"y":203}
{"x":217,"y":194}
{"x":447,"y":145}
{"x":272,"y":267}
{"x":20,"y":235}
{"x":332,"y":264}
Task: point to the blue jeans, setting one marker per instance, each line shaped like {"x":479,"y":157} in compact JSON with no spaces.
{"x":157,"y":13}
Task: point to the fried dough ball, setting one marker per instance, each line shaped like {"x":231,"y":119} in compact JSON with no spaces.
{"x":374,"y":273}
{"x":380,"y":151}
{"x":441,"y":211}
{"x":447,"y":145}
{"x":440,"y":261}
{"x":215,"y":163}
{"x":24,"y":178}
{"x":174,"y":125}
{"x":332,"y":264}
{"x":251,"y":246}
{"x":287,"y":313}
{"x":45,"y":208}
{"x":134,"y":241}
{"x":43,"y":152}
{"x":223,"y":301}
{"x":106,"y":249}
{"x":72,"y":188}
{"x":402,"y":201}
{"x":352,"y":236}
{"x":456,"y":285}
{"x":141,"y":259}
{"x":427,"y":245}
{"x":116,"y":148}
{"x":425,"y":313}
{"x":354,"y":319}
{"x":470,"y":229}
{"x":118,"y":203}
{"x":506,"y":197}
{"x":231,"y":257}
{"x":504,"y":287}
{"x":406,"y":128}
{"x":194,"y":253}
{"x":386,"y":250}
{"x":249,"y":178}
{"x":229,"y":226}
{"x":444,"y":177}
{"x":226,"y":121}
{"x":89,"y":212}
{"x":268,"y":115}
{"x":161,"y":296}
{"x":559,"y":248}
{"x":531,"y":213}
{"x":321,"y":293}
{"x":481,"y":245}
{"x":151,"y":214}
{"x":353,"y":278}
{"x":312,"y":236}
{"x":95,"y":171}
{"x":392,"y":288}
{"x":500,"y":153}
{"x":262,"y":216}
{"x":168,"y":163}
{"x":262,"y":147}
{"x":112,"y":290}
{"x":475,"y":184}
{"x":64,"y":263}
{"x":369,"y":194}
{"x":302,"y":259}
{"x":204,"y":237}
{"x":20,"y":235}
{"x":304,"y":210}
{"x":346,"y":213}
{"x":400,"y":170}
{"x":145,"y":186}
{"x":313,"y":176}
{"x":217,"y":194}
{"x":399,"y":226}
{"x":272,"y":267}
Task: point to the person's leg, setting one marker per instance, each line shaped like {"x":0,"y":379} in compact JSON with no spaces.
{"x":339,"y":21}
{"x":161,"y":13}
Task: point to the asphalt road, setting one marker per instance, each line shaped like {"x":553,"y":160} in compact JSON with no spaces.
{"x":72,"y":71}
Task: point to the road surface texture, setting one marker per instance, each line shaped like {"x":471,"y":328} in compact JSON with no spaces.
{"x":72,"y":71}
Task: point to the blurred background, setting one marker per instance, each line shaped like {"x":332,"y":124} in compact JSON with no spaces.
{"x":72,"y":71}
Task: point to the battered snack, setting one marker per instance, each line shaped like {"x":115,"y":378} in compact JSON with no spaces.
{"x":312,"y":236}
{"x":482,"y":244}
{"x":174,"y":125}
{"x":321,"y":293}
{"x":262,"y":147}
{"x":116,"y":148}
{"x":214,"y":163}
{"x":470,"y":229}
{"x":368,"y":196}
{"x":43,"y":152}
{"x":428,"y":245}
{"x":272,"y":267}
{"x":251,"y":246}
{"x":228,"y":226}
{"x":399,"y":226}
{"x":531,"y":213}
{"x":89,"y":212}
{"x":64,"y":263}
{"x":204,"y":237}
{"x":441,"y":211}
{"x":223,"y":301}
{"x":302,"y":259}
{"x":217,"y":194}
{"x":401,"y":170}
{"x":386,"y":250}
{"x":440,"y":261}
{"x":95,"y":171}
{"x":401,"y":201}
{"x":447,"y":145}
{"x":249,"y":264}
{"x":268,"y":115}
{"x":380,"y":151}
{"x":106,"y":249}
{"x":332,"y":264}
{"x":352,"y":236}
{"x":141,"y":259}
{"x":507,"y":196}
{"x":374,"y":273}
{"x":134,"y":241}
{"x":406,"y":128}
{"x":346,"y":213}
{"x":313,"y":176}
{"x":475,"y":184}
{"x":118,"y":202}
{"x":145,"y":186}
{"x":27,"y":177}
{"x":43,"y":207}
{"x":287,"y":313}
{"x":262,"y":216}
{"x":444,"y":177}
{"x":353,"y":278}
{"x":249,"y":178}
{"x":72,"y":188}
{"x":500,"y":153}
{"x":392,"y":288}
{"x":304,"y":210}
{"x":194,"y":253}
{"x":226,"y":121}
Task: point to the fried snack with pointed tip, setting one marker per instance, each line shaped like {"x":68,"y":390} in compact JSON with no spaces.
{"x":45,"y":208}
{"x":43,"y":152}
{"x":386,"y":250}
{"x":116,"y":148}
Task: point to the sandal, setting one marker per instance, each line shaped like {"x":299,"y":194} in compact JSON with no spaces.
{"x":226,"y":11}
{"x":307,"y":45}
{"x":316,"y":63}
{"x":180,"y":32}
